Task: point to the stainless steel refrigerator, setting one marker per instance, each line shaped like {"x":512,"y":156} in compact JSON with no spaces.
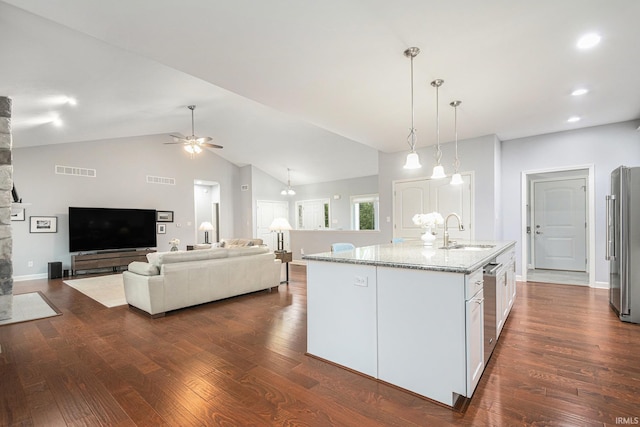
{"x":623,"y":243}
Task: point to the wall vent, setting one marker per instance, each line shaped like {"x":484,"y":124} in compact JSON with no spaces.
{"x":160,"y":180}
{"x":75,"y":171}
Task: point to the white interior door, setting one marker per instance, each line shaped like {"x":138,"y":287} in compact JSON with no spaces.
{"x":427,"y":195}
{"x":410,"y":198}
{"x":267,"y":211}
{"x":311,"y":214}
{"x":447,"y":198}
{"x":560,"y":224}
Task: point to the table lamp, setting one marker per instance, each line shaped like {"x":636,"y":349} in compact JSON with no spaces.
{"x":206,"y":226}
{"x":280,"y":225}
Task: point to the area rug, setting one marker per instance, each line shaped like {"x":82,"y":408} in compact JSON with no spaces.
{"x":30,"y":306}
{"x":107,"y":290}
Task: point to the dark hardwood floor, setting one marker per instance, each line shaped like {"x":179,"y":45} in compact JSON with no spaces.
{"x":563,"y":359}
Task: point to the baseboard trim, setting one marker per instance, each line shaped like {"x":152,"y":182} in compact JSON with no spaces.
{"x":601,"y":285}
{"x":30,"y":277}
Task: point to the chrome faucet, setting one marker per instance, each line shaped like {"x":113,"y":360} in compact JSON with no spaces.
{"x":446,"y":226}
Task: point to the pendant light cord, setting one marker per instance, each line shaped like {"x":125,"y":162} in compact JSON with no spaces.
{"x":438,"y":150}
{"x":456,"y":162}
{"x":411,"y":139}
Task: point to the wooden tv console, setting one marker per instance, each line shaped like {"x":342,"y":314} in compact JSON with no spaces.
{"x":114,"y":260}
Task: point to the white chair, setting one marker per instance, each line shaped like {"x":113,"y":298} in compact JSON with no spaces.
{"x":341,"y":247}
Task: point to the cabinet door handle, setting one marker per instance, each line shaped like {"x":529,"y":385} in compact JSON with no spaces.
{"x":479,"y":301}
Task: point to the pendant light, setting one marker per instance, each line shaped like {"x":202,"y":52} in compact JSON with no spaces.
{"x":456,"y":179}
{"x":438,"y":170}
{"x":413,"y":161}
{"x":288,"y":191}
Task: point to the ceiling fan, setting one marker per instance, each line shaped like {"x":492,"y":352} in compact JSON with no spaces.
{"x":193,"y":144}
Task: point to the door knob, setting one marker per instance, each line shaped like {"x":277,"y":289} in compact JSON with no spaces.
{"x":539,"y":232}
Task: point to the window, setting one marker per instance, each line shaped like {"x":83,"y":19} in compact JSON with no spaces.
{"x":364,"y":212}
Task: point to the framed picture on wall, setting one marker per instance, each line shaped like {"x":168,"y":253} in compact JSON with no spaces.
{"x":17,"y":215}
{"x":43,"y":224}
{"x":164,"y":216}
{"x":162,"y":228}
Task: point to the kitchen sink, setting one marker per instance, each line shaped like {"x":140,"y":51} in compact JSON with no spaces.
{"x":468,"y":247}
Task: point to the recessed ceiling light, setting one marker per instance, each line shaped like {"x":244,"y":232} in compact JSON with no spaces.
{"x":581,"y":91}
{"x":588,"y":41}
{"x":573,"y":119}
{"x":57,"y":122}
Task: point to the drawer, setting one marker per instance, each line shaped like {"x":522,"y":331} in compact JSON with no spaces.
{"x":473,"y":283}
{"x":506,"y":257}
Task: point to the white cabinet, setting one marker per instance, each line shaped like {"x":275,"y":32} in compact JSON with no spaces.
{"x":475,"y":340}
{"x":421,"y":332}
{"x":341,"y":314}
{"x":505,"y":288}
{"x":511,"y":281}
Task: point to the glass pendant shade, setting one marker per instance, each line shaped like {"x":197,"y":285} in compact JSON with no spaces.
{"x":438,"y":172}
{"x":456,"y":179}
{"x":413,"y":161}
{"x":288,"y":191}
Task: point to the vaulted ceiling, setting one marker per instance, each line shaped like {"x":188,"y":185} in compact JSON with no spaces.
{"x":318,"y":87}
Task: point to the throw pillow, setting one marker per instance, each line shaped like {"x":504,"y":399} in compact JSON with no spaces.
{"x":143,"y":268}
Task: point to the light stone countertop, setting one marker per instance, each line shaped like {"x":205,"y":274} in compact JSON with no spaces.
{"x":413,"y":254}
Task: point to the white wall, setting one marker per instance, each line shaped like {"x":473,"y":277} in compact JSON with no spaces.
{"x":318,"y":241}
{"x":122,"y":166}
{"x":606,"y":147}
{"x":479,"y":155}
{"x":340,"y":208}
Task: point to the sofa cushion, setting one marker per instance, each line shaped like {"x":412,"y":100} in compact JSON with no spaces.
{"x":200,"y":246}
{"x":247,"y":250}
{"x":143,"y":268}
{"x":159,"y":258}
{"x":234,"y":243}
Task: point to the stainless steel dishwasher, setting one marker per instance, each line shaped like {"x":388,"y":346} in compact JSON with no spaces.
{"x":490,"y":273}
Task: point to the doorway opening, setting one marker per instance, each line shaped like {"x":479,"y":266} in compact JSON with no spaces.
{"x":206,"y":195}
{"x":558,"y":233}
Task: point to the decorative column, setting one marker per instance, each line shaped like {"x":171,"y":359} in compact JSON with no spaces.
{"x":6,"y":184}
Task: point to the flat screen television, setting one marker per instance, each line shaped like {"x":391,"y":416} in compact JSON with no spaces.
{"x":99,"y":229}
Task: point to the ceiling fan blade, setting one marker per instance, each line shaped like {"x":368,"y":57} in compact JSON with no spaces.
{"x":177,"y":135}
{"x":203,"y":139}
{"x":210,"y":145}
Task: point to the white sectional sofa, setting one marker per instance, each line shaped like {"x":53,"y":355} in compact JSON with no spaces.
{"x":173,"y":280}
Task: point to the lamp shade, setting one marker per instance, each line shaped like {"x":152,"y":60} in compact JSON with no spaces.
{"x":280,"y":224}
{"x":438,"y":172}
{"x":456,"y":179}
{"x":206,"y":226}
{"x":413,"y":161}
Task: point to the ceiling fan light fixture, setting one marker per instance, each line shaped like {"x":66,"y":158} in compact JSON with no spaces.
{"x":193,"y":144}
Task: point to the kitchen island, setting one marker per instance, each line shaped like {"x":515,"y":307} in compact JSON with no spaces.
{"x":407,"y":314}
